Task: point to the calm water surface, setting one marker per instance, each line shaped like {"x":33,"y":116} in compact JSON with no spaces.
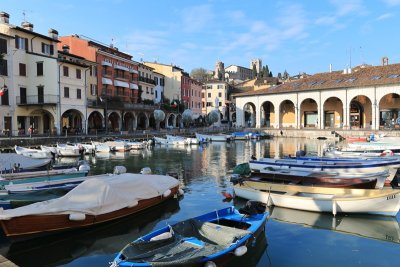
{"x":293,"y":238}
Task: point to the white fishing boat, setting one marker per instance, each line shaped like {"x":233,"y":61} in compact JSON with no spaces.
{"x":51,"y":149}
{"x":89,"y":147}
{"x":169,"y":142}
{"x":10,"y":162}
{"x":322,"y":199}
{"x":202,"y":138}
{"x":120,"y":146}
{"x":68,"y":150}
{"x":341,"y":167}
{"x":33,"y":153}
{"x":335,"y":153}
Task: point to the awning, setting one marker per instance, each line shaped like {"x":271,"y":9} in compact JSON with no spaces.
{"x":133,"y":86}
{"x":134,"y":71}
{"x":120,"y":67}
{"x":106,"y":81}
{"x":105,"y":63}
{"x":121,"y":84}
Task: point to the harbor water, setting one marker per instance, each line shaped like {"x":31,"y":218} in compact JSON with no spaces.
{"x":292,"y":238}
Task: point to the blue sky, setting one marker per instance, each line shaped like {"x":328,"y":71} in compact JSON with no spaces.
{"x":297,"y":36}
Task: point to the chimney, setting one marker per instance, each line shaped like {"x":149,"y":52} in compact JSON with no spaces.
{"x":53,"y":34}
{"x":4,"y":17}
{"x":385,"y":61}
{"x":65,"y":48}
{"x":27,"y":26}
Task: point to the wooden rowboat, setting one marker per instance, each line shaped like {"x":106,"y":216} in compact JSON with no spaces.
{"x":94,"y":201}
{"x":323,"y":199}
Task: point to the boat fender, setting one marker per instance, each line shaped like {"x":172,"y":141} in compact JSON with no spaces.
{"x":240,"y":251}
{"x":210,"y":264}
{"x":180,"y":192}
{"x":146,"y":170}
{"x":387,"y":153}
{"x":133,"y":204}
{"x":167,"y":193}
{"x":77,"y":217}
{"x":119,"y":170}
{"x":84,"y":168}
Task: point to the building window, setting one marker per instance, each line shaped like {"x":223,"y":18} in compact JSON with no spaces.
{"x":202,"y":95}
{"x":220,"y":86}
{"x":3,"y":46}
{"x":4,"y":98}
{"x":203,"y":104}
{"x":156,"y":80}
{"x":152,"y":92}
{"x":21,"y":43}
{"x":120,"y":91}
{"x":3,"y":67}
{"x":78,"y":74}
{"x":93,"y":89}
{"x":78,"y":93}
{"x":162,"y":82}
{"x":147,"y":90}
{"x":156,"y":94}
{"x":209,"y":104}
{"x":220,"y":104}
{"x":66,"y":92}
{"x":219,"y":94}
{"x":39,"y":68}
{"x":47,"y":49}
{"x":22,"y":69}
{"x":65,"y":71}
{"x":209,"y":94}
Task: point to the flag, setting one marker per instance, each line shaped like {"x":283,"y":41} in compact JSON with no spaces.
{"x":3,"y":91}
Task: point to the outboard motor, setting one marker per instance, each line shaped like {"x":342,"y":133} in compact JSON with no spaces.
{"x":300,"y":153}
{"x":236,"y":179}
{"x":252,"y":208}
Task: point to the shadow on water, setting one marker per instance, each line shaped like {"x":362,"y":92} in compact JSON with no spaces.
{"x":106,"y":239}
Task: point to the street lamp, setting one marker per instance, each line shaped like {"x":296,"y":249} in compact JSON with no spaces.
{"x":105,"y":113}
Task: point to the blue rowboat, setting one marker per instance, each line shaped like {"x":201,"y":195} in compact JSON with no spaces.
{"x":205,"y":240}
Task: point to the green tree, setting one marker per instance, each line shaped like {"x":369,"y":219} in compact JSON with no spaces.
{"x":140,"y":91}
{"x":199,"y":74}
{"x":266,"y":71}
{"x":279,"y":76}
{"x":270,"y":74}
{"x":254,"y":71}
{"x":219,"y":75}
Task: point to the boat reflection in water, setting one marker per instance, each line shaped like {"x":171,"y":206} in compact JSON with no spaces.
{"x":101,"y":241}
{"x":369,"y":226}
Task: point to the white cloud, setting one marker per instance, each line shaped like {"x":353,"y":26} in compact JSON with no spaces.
{"x":385,"y":16}
{"x":392,"y":2}
{"x":196,"y":18}
{"x":144,"y":40}
{"x":349,"y":7}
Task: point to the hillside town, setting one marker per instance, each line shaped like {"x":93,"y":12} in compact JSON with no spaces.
{"x":53,"y":84}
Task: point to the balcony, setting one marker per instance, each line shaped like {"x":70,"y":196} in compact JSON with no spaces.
{"x":106,"y":73}
{"x":147,"y":80}
{"x":37,"y":100}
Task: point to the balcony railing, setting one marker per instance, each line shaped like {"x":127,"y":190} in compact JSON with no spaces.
{"x":37,"y":100}
{"x":117,"y":103}
{"x":147,"y":80}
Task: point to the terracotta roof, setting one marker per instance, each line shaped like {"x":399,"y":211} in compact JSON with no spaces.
{"x":359,"y":77}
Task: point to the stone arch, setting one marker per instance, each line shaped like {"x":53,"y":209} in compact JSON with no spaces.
{"x":267,"y":114}
{"x":249,"y":114}
{"x":170,"y":120}
{"x":309,"y":113}
{"x":152,"y":122}
{"x":360,"y":115}
{"x":178,"y":120}
{"x":41,"y":120}
{"x":114,"y":122}
{"x":95,"y":121}
{"x":287,"y":114}
{"x":129,"y":119}
{"x":333,"y":113}
{"x":142,"y":121}
{"x":389,"y":110}
{"x":72,"y":121}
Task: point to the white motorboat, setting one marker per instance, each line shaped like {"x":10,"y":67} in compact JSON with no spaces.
{"x":202,"y":138}
{"x":171,"y":142}
{"x":51,"y":149}
{"x":11,"y":162}
{"x":33,"y":153}
{"x":68,"y":150}
{"x":341,"y":167}
{"x":322,"y":199}
{"x":120,"y":146}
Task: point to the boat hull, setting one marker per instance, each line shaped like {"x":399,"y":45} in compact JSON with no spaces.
{"x":35,"y":225}
{"x":382,"y":202}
